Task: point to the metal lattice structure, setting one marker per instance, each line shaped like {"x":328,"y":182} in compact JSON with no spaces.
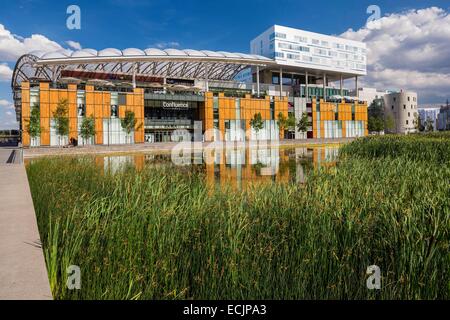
{"x":169,"y":63}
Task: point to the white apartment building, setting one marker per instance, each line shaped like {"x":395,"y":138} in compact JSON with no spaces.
{"x":306,"y":65}
{"x":402,"y":107}
{"x":317,"y":53}
{"x":369,"y":94}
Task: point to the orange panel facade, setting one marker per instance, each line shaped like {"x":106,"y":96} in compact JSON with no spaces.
{"x":25,"y":113}
{"x":73,"y":116}
{"x":97,"y":104}
{"x":328,"y":118}
{"x":139,"y":133}
{"x":281,"y":106}
{"x":244,"y":109}
{"x":44,"y":98}
{"x":348,"y":123}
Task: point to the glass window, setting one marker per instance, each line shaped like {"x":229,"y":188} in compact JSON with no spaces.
{"x":301,"y":39}
{"x":113,"y":133}
{"x":275,"y":78}
{"x":293,"y":56}
{"x":320,"y":51}
{"x":122,"y":99}
{"x":277,"y":35}
{"x":34,"y":97}
{"x":81,"y":103}
{"x":114,"y":111}
{"x":289,"y":46}
{"x":272,"y":110}
{"x":115,"y":105}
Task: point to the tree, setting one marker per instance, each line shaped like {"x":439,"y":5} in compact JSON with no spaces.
{"x":429,"y":125}
{"x":375,"y":124}
{"x":129,"y":123}
{"x":33,"y":126}
{"x":418,"y":123}
{"x":87,"y":128}
{"x":257,"y":122}
{"x":303,"y":123}
{"x":376,"y":116}
{"x":281,"y":121}
{"x":60,"y":115}
{"x":290,"y":122}
{"x":389,"y":123}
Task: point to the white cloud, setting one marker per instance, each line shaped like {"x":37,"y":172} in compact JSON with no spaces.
{"x":164,"y":45}
{"x":5,"y":103}
{"x":74,"y":45}
{"x":409,"y":50}
{"x":5,"y":72}
{"x":13,"y":46}
{"x":7,"y":115}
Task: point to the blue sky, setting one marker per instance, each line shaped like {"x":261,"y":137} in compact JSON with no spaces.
{"x":213,"y":25}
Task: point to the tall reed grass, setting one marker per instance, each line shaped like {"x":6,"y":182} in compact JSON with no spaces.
{"x":161,"y":233}
{"x":434,"y":147}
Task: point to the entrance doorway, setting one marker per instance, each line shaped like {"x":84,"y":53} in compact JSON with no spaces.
{"x":167,"y":136}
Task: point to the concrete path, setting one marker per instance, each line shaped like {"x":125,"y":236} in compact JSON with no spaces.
{"x":23,"y":274}
{"x":161,"y":147}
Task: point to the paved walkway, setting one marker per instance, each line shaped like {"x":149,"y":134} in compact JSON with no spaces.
{"x":161,"y":147}
{"x":23,"y":274}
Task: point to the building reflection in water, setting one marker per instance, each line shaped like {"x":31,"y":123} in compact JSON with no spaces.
{"x":238,"y":167}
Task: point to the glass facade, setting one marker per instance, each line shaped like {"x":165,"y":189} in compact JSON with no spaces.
{"x":114,"y":104}
{"x":34,"y":103}
{"x":318,"y":91}
{"x":113,"y":133}
{"x":170,"y":120}
{"x":234,"y":130}
{"x":152,"y":136}
{"x":81,"y":103}
{"x":355,"y":129}
{"x":270,"y":131}
{"x":55,"y":139}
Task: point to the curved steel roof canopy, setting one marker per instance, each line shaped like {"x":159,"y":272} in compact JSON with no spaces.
{"x":173,"y":63}
{"x":169,"y":63}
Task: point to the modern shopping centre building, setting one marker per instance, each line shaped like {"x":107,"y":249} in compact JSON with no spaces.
{"x":174,"y":93}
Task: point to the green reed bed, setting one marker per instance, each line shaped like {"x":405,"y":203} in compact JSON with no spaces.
{"x":433,"y":147}
{"x":161,"y":233}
